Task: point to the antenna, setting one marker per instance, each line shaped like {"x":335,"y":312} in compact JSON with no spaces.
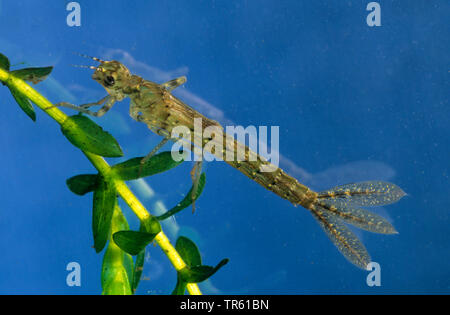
{"x":83,"y":66}
{"x":90,"y":57}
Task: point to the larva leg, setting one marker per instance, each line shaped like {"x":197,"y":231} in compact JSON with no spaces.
{"x":100,"y":102}
{"x":148,"y":156}
{"x":195,"y":175}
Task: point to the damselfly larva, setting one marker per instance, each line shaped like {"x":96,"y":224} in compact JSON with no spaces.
{"x":154,"y":105}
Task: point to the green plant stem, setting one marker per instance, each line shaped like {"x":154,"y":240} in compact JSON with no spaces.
{"x":102,"y":166}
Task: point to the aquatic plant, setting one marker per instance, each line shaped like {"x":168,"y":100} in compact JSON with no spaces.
{"x":120,"y":272}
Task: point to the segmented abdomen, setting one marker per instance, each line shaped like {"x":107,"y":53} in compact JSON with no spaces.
{"x":255,"y":167}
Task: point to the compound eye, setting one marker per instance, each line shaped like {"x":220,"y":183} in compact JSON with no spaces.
{"x":109,"y":81}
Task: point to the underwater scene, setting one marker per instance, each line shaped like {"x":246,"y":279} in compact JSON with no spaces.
{"x":224,"y":147}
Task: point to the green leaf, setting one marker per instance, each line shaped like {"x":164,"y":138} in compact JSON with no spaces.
{"x":194,"y":271}
{"x":133,"y":242}
{"x":197,"y":274}
{"x":85,"y":134}
{"x":83,"y":184}
{"x":118,"y":266}
{"x":23,"y":102}
{"x":4,"y":62}
{"x":139,"y":264}
{"x":34,"y":75}
{"x":128,"y":264}
{"x":105,"y":200}
{"x":180,"y":287}
{"x":132,"y":169}
{"x":187,"y":201}
{"x":118,"y":283}
{"x":138,"y":268}
{"x":188,"y":251}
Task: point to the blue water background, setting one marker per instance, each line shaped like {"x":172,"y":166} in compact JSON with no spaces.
{"x":353,"y":103}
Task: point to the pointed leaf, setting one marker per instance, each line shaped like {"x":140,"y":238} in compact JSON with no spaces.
{"x":133,"y":242}
{"x":120,"y":223}
{"x":139,"y":264}
{"x":188,"y":251}
{"x":117,"y":267}
{"x":34,"y":75}
{"x":138,"y":268}
{"x":105,"y":200}
{"x":119,"y":283}
{"x":4,"y":62}
{"x":24,"y":103}
{"x":83,"y":184}
{"x":85,"y":134}
{"x":133,"y":169}
{"x":187,"y":201}
{"x":200,"y":273}
{"x":128,"y":264}
{"x":180,"y":287}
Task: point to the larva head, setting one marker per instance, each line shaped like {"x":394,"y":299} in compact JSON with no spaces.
{"x":113,"y":76}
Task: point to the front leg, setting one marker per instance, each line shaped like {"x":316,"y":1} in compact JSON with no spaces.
{"x":83,"y":108}
{"x":100,"y":102}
